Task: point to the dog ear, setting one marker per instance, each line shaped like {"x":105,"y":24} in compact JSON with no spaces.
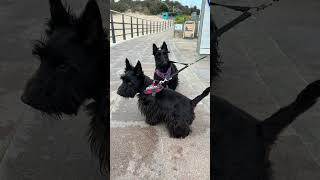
{"x":91,"y":23}
{"x":164,"y":46}
{"x":128,"y":65}
{"x":155,"y":49}
{"x":138,"y":69}
{"x":59,"y":15}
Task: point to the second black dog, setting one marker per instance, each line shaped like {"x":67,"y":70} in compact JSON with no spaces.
{"x":164,"y":67}
{"x":168,"y":106}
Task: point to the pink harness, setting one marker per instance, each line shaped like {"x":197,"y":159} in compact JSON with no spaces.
{"x":153,"y":88}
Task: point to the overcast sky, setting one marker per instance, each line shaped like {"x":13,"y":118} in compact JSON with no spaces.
{"x":187,"y":2}
{"x":191,"y":3}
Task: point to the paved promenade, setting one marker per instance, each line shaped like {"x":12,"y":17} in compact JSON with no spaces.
{"x":267,"y":61}
{"x":140,"y":151}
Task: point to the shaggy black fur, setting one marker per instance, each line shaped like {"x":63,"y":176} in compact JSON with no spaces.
{"x":73,"y":68}
{"x":215,"y":69}
{"x":163,"y":64}
{"x":241,"y":143}
{"x":168,"y":106}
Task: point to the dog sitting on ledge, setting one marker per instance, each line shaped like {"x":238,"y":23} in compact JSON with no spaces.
{"x":73,"y":68}
{"x":168,"y":106}
{"x":241,"y":143}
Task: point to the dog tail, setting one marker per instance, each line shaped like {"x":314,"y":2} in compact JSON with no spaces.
{"x":196,"y":100}
{"x":272,"y":126}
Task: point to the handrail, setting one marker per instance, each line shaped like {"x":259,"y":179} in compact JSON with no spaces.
{"x":145,"y":25}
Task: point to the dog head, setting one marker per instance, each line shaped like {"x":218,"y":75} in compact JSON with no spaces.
{"x":72,"y":64}
{"x":132,"y":80}
{"x":161,"y":56}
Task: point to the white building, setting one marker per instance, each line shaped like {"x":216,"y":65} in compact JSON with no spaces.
{"x":204,"y":29}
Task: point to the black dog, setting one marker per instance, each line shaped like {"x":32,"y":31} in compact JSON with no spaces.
{"x":168,"y":106}
{"x":73,"y":68}
{"x":241,"y":143}
{"x":164,"y":67}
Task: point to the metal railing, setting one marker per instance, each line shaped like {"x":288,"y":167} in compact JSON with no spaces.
{"x":125,"y":25}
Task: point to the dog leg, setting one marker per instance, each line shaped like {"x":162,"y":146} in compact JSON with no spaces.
{"x":178,"y":128}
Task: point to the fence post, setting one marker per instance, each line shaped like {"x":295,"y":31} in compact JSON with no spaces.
{"x":157,"y":26}
{"x":112,"y":28}
{"x":146,"y":26}
{"x":150,"y":27}
{"x":161,"y":25}
{"x":131,"y":26}
{"x":137,"y":27}
{"x":123,"y":28}
{"x":142,"y":28}
{"x":153,"y":26}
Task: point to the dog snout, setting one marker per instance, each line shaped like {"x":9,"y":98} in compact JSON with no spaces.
{"x":24,"y":98}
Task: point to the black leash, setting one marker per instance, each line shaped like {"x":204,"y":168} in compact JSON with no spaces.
{"x":179,"y":62}
{"x":247,"y":12}
{"x":186,"y":65}
{"x":155,"y":88}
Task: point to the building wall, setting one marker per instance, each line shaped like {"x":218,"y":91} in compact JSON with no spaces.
{"x":204,"y":33}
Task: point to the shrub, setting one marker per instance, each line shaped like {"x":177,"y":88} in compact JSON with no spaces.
{"x":181,"y":19}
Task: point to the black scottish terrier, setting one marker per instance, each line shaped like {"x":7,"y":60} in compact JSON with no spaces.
{"x":168,"y":106}
{"x":73,"y":68}
{"x":241,"y":143}
{"x":164,"y":67}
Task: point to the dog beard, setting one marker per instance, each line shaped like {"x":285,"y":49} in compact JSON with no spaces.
{"x":126,"y":91}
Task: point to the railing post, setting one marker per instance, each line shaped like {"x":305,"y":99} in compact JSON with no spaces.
{"x":150,"y":27}
{"x":123,"y":28}
{"x":142,"y":27}
{"x":153,"y":27}
{"x":161,"y":25}
{"x":131,"y":26}
{"x":146,"y":26}
{"x":112,"y":28}
{"x":157,"y":26}
{"x":137,"y":28}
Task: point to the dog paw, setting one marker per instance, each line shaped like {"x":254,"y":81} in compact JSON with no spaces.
{"x":180,"y":132}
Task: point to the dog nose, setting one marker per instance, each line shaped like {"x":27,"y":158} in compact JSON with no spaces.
{"x":25,"y":99}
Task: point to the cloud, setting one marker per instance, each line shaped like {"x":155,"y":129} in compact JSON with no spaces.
{"x":191,"y":3}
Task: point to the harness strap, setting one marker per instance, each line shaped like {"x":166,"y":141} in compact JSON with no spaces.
{"x":165,"y":74}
